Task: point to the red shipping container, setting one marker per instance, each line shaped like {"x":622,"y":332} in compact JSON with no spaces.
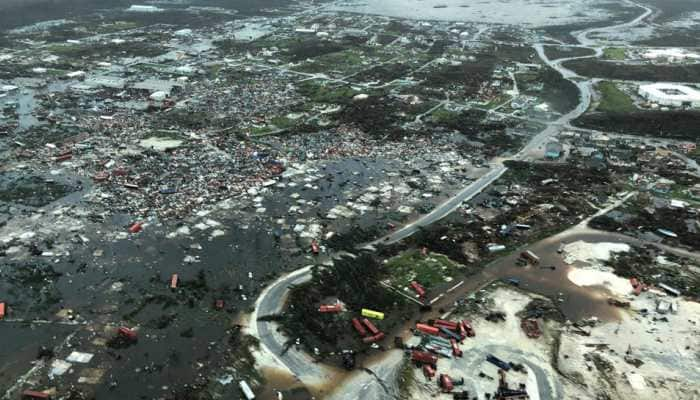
{"x":358,"y":327}
{"x":446,"y":383}
{"x":324,"y":308}
{"x":423,"y":357}
{"x":428,"y":371}
{"x":371,"y":339}
{"x":64,"y":157}
{"x":127,"y":333}
{"x":456,"y":351}
{"x":136,"y":228}
{"x":420,"y":290}
{"x":430,"y":330}
{"x":453,"y":326}
{"x":370,"y":326}
{"x":2,"y":310}
{"x":467,"y":325}
{"x":32,"y":394}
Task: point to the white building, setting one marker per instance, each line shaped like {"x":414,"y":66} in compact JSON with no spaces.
{"x":670,"y":54}
{"x":670,"y":94}
{"x":139,"y":8}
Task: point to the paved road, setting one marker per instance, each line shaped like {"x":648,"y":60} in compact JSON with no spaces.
{"x":272,"y":299}
{"x":445,"y":208}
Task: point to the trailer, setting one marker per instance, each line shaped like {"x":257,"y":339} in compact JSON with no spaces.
{"x":428,"y":371}
{"x":498,"y":362}
{"x":2,"y":310}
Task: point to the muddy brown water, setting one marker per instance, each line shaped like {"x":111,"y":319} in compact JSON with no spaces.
{"x":577,"y":302}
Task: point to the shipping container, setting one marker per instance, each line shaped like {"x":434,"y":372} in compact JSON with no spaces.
{"x":498,"y":362}
{"x":447,"y":324}
{"x":372,"y":314}
{"x":423,"y":357}
{"x":456,"y":351}
{"x":530,"y":256}
{"x":427,"y":329}
{"x":371,"y":339}
{"x":428,"y":371}
{"x":370,"y":326}
{"x":449,"y":334}
{"x":446,"y":383}
{"x":2,"y":310}
{"x":247,"y":391}
{"x":467,"y":325}
{"x":32,"y":394}
{"x":420,"y":290}
{"x":333,"y":308}
{"x":358,"y":327}
{"x":173,"y":281}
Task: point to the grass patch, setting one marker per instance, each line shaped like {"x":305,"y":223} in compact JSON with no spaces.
{"x":319,"y":93}
{"x":614,"y":100}
{"x":614,"y":53}
{"x":430,"y":271}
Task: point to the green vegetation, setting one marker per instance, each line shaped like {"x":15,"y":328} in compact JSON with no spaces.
{"x":430,"y":271}
{"x":319,"y":93}
{"x":614,"y":100}
{"x":441,"y":116}
{"x":283,"y":122}
{"x":614,"y":53}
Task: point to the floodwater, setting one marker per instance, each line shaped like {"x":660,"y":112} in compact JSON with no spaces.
{"x":575,"y":302}
{"x":515,"y":12}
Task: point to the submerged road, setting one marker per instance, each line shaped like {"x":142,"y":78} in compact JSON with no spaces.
{"x":272,"y":299}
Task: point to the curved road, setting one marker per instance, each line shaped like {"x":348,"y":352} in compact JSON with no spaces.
{"x":272,"y":299}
